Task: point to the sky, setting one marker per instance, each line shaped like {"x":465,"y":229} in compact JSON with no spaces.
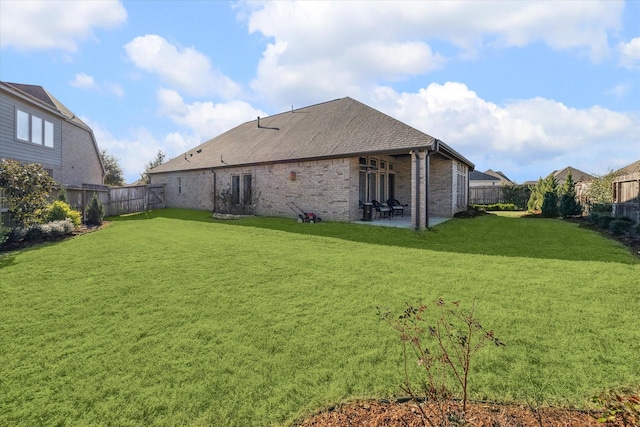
{"x":520,"y":87}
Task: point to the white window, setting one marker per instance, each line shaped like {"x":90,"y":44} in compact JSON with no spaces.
{"x":36,"y":130}
{"x":48,"y":134}
{"x":33,"y":128}
{"x":22,"y":125}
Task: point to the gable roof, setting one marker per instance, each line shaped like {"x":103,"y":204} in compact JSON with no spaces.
{"x":40,"y":96}
{"x":482,"y":176}
{"x":576,"y":174}
{"x":340,"y":128}
{"x":502,"y":177}
{"x":629,"y":169}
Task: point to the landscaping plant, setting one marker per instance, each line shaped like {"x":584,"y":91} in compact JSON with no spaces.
{"x":26,"y":188}
{"x":60,"y":210}
{"x":95,"y":211}
{"x":442,"y":341}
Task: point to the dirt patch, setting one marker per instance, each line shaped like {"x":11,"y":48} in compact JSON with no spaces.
{"x":408,"y":414}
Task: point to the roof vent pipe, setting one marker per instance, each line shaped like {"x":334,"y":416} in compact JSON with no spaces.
{"x":258,"y":121}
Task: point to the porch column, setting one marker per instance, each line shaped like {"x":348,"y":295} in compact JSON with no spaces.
{"x":419,"y":186}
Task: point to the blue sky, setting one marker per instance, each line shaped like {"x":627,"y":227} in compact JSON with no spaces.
{"x":520,"y":87}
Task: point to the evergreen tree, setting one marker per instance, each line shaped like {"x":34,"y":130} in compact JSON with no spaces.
{"x":568,"y":205}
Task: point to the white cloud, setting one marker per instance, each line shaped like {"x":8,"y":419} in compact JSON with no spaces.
{"x":185,"y":69}
{"x":326,"y":48}
{"x":38,"y":25}
{"x":138,"y":147}
{"x":521,"y":137}
{"x":630,"y":54}
{"x":83,"y":81}
{"x":87,"y":82}
{"x":205,"y":119}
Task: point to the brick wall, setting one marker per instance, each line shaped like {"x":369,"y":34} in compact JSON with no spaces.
{"x":80,"y":160}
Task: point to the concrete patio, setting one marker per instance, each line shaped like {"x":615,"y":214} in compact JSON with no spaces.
{"x":400,"y":221}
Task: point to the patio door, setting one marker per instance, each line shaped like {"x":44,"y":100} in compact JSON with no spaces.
{"x":392,"y":185}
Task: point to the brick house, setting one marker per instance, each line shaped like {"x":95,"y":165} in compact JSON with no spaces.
{"x":328,"y":158}
{"x":37,"y":128}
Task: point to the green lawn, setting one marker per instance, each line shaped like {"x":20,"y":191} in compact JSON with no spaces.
{"x":171,"y":318}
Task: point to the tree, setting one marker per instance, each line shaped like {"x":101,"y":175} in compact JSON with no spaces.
{"x":114,"y":174}
{"x":539,"y":193}
{"x":568,"y":205}
{"x":157,"y":161}
{"x":600,"y":191}
{"x":26,"y":188}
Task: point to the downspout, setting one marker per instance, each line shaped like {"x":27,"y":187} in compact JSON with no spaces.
{"x":215,"y":195}
{"x":427,"y":172}
{"x":417,"y":200}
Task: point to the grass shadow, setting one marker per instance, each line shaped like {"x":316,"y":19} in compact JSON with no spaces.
{"x":497,"y":235}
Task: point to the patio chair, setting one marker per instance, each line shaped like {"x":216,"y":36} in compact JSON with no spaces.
{"x":396,"y":207}
{"x":381,"y":209}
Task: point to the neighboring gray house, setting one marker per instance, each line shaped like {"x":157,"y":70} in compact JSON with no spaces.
{"x":37,"y":128}
{"x":483,"y":179}
{"x":328,"y":158}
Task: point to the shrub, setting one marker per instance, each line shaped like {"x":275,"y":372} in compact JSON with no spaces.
{"x":4,"y":234}
{"x":601,"y":207}
{"x":605,"y":220}
{"x":496,"y":207}
{"x":619,"y":226}
{"x":60,"y":210}
{"x":594,"y":217}
{"x":95,"y":211}
{"x":41,"y":231}
{"x":443,"y":339}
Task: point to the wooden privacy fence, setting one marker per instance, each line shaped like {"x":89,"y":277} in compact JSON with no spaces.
{"x":626,"y":196}
{"x":118,"y":200}
{"x":485,"y":195}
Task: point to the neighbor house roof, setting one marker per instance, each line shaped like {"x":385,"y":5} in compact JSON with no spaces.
{"x":629,"y":169}
{"x":576,"y":174}
{"x":502,"y":177}
{"x":39,"y":95}
{"x":481,"y":176}
{"x":339,"y":128}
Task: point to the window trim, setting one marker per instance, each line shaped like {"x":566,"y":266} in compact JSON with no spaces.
{"x":42,"y":134}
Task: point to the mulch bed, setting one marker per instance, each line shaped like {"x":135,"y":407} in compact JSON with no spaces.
{"x":83,"y":229}
{"x":379,"y":414}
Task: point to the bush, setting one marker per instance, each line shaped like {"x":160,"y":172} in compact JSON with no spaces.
{"x":41,"y":231}
{"x":95,"y":211}
{"x":594,"y":217}
{"x":620,"y":226}
{"x":4,"y":234}
{"x":601,"y":207}
{"x":59,"y":210}
{"x":605,"y":220}
{"x":496,"y":207}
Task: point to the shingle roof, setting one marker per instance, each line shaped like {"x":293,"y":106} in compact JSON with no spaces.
{"x":339,"y":128}
{"x":481,"y":176}
{"x":629,"y":169}
{"x":576,"y":174}
{"x":41,"y":95}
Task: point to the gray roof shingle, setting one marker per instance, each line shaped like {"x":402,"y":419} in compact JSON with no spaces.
{"x":333,"y":129}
